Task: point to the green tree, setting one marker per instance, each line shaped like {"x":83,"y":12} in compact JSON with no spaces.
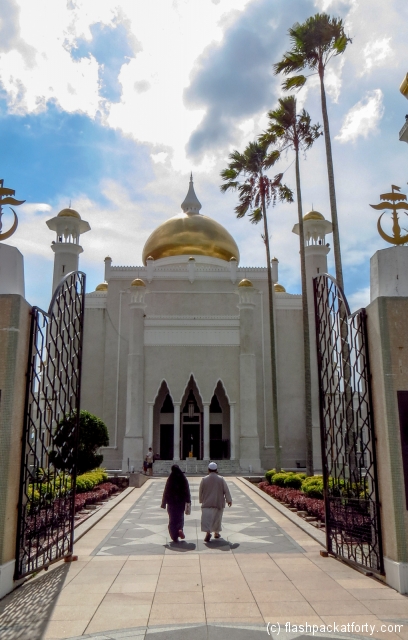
{"x":92,"y":435}
{"x":314,"y":43}
{"x":290,"y":130}
{"x":256,"y":192}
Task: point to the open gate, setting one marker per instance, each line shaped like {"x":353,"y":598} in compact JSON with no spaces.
{"x":48,"y":464}
{"x":353,"y":526}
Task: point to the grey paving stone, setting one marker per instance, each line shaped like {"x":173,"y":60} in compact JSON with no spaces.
{"x":246,"y":529}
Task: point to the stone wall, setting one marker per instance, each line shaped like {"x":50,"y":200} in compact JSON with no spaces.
{"x":14,"y":340}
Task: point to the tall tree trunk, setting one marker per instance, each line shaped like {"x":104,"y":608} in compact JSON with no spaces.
{"x":345,"y":349}
{"x":332,"y":191}
{"x":306,"y":334}
{"x":273,"y":344}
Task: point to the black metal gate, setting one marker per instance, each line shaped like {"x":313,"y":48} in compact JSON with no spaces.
{"x":48,"y":463}
{"x":353,"y":527}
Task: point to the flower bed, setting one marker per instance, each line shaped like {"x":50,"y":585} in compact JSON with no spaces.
{"x":296,"y":499}
{"x":101,"y":492}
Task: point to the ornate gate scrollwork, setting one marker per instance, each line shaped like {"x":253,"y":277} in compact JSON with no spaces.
{"x":353,"y":526}
{"x":50,"y":432}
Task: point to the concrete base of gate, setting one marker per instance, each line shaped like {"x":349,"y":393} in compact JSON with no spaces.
{"x":396,"y":575}
{"x":6,"y":578}
{"x":137,"y":480}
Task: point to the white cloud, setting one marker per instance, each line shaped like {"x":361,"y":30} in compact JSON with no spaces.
{"x":363,"y":118}
{"x":358,"y":299}
{"x":376,"y":54}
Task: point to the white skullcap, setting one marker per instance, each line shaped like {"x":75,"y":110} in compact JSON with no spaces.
{"x":213,"y":466}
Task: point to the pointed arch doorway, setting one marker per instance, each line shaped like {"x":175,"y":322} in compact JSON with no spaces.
{"x":191,"y":423}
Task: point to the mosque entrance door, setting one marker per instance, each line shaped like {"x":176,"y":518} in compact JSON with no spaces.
{"x":191,"y":438}
{"x":166,"y":441}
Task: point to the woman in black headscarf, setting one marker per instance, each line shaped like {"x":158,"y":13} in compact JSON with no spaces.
{"x":176,"y":495}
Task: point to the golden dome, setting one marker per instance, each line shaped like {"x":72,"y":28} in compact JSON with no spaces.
{"x":279,"y":288}
{"x":313,"y":215}
{"x":69,"y":213}
{"x":245,"y":283}
{"x":138,"y":282}
{"x":102,"y":287}
{"x":192,"y":234}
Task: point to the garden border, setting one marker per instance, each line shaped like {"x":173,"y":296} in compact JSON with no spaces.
{"x":311,"y":531}
{"x":90,"y":522}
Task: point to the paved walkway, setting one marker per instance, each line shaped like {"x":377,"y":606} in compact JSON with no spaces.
{"x":131,"y":581}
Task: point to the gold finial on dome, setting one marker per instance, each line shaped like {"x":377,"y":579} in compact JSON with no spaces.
{"x":138,"y":282}
{"x":69,"y":213}
{"x":313,"y":215}
{"x":191,"y":203}
{"x":245,"y":283}
{"x":102,"y":287}
{"x":279,"y":288}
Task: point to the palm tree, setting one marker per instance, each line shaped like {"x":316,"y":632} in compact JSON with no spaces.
{"x":314,"y":43}
{"x":256,"y":193}
{"x":290,"y":130}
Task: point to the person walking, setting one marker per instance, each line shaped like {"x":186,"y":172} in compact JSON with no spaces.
{"x":213,"y":494}
{"x":150,"y":460}
{"x":175,"y":496}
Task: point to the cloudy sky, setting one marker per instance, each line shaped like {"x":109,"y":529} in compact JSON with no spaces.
{"x":109,"y":105}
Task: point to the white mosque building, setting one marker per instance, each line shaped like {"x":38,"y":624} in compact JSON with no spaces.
{"x":177,"y":354}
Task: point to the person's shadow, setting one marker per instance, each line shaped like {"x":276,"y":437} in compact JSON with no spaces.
{"x":180,"y":546}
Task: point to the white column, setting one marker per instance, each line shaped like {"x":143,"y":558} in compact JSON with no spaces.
{"x":232,"y":431}
{"x":150,"y":434}
{"x":206,"y":431}
{"x":176,"y":453}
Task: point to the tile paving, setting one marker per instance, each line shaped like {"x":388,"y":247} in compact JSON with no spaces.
{"x":264,"y":570}
{"x":246,"y":529}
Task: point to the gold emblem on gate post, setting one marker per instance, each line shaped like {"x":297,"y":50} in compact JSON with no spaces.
{"x":393,"y":201}
{"x":6,"y":197}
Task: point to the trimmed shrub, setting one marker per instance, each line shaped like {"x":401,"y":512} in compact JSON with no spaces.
{"x":279,"y":479}
{"x":93,"y":434}
{"x":87,"y":481}
{"x":313,"y":487}
{"x":269,"y":475}
{"x":293,"y":481}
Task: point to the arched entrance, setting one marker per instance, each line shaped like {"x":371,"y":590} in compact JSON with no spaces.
{"x":220,"y":425}
{"x":163,"y":424}
{"x":191,"y":423}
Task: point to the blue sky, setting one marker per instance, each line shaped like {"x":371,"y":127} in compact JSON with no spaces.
{"x":111,"y":107}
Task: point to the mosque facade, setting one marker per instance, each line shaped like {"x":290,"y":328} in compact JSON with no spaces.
{"x":177,"y":352}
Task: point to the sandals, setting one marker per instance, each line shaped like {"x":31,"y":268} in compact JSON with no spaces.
{"x":217,"y":535}
{"x":181,"y":534}
{"x":207,"y":537}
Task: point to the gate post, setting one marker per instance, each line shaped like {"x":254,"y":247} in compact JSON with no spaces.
{"x":387,"y":328}
{"x":14,"y":341}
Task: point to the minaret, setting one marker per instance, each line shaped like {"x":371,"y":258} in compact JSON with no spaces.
{"x":68,"y":226}
{"x":315,"y":229}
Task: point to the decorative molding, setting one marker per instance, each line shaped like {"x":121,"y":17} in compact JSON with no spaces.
{"x":165,"y":322}
{"x":192,"y":337}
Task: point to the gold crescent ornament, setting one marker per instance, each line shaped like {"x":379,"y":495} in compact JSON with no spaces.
{"x":396,"y":201}
{"x":390,"y":239}
{"x":7,"y":234}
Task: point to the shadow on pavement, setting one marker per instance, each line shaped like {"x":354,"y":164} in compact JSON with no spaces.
{"x":180,"y":546}
{"x":24,"y":614}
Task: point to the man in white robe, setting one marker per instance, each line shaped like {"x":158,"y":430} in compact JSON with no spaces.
{"x":213,"y":494}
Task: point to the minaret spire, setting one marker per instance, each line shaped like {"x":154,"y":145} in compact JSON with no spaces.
{"x":191,"y":203}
